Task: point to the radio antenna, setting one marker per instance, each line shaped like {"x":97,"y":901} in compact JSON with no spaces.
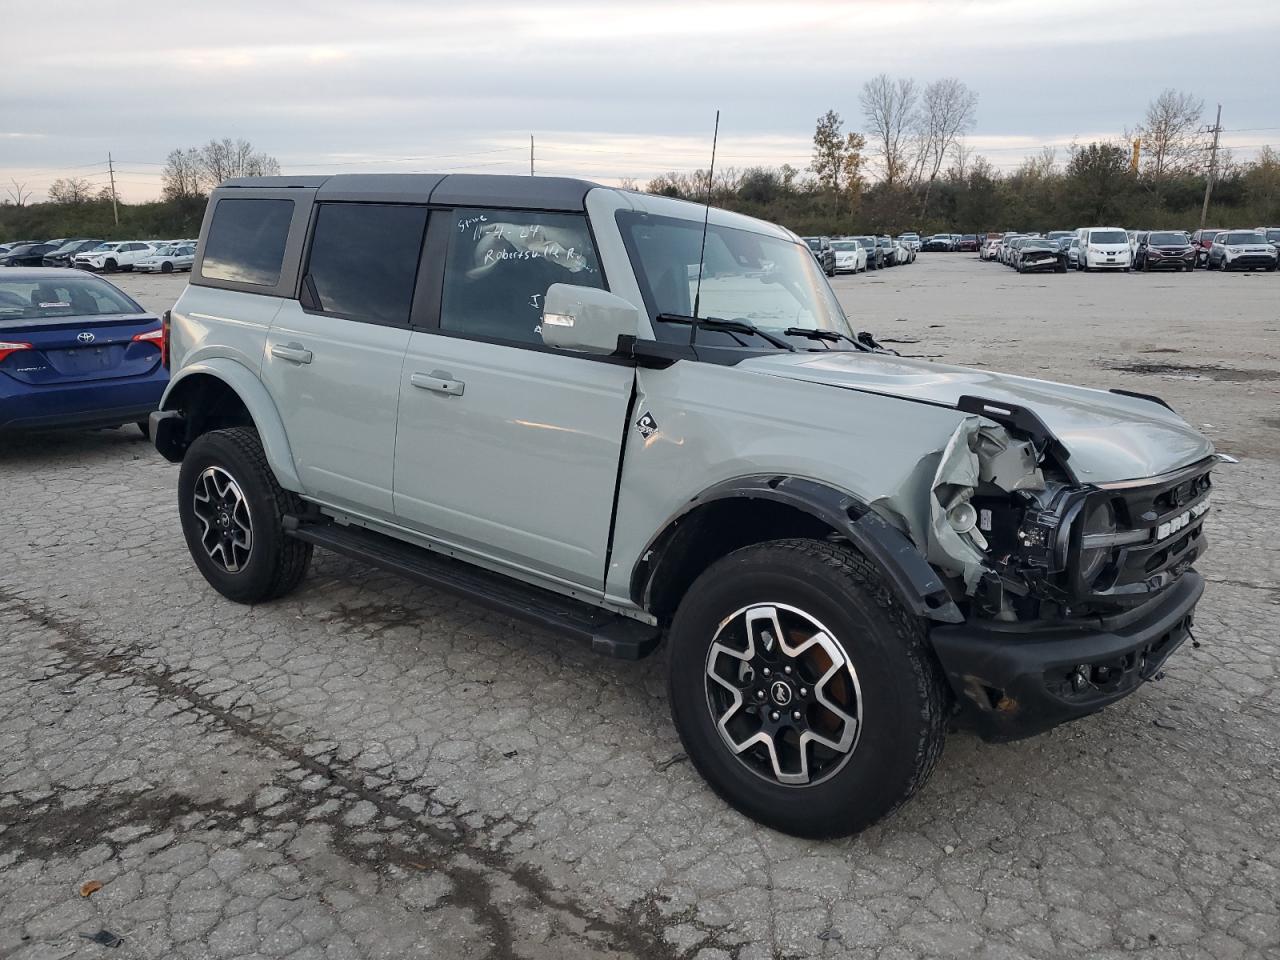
{"x":706,"y":215}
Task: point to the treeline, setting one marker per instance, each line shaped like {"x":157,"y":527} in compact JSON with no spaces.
{"x":912,"y":170}
{"x":1094,"y":186}
{"x":76,"y":209}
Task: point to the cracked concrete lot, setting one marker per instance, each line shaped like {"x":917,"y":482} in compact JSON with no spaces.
{"x":371,"y":769}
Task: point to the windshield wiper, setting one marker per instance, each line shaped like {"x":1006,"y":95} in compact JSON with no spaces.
{"x":817,"y":333}
{"x":727,"y":326}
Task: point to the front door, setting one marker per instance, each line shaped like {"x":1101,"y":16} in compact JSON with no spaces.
{"x":507,"y":449}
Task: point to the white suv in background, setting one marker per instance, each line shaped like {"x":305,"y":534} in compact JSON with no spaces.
{"x":113,"y":255}
{"x":1104,"y":248}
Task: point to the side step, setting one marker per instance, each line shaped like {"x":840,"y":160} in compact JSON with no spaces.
{"x":606,"y":633}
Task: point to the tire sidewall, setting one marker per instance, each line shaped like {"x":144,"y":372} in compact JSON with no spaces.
{"x":894,"y":701}
{"x":253,"y":579}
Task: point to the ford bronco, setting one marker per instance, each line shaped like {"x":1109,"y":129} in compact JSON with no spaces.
{"x":592,"y":409}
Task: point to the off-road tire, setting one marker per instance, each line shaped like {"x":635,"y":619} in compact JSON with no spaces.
{"x":276,"y":562}
{"x":902,"y":699}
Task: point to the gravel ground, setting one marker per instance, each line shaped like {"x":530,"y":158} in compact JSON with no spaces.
{"x":371,"y":769}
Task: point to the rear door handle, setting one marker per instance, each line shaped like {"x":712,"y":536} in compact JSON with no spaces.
{"x":293,"y":352}
{"x":437,"y":381}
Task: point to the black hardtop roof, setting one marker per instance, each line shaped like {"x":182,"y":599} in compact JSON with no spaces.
{"x":455,"y":189}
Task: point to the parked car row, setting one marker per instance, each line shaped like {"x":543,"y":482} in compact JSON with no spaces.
{"x":161,"y":256}
{"x":861,"y":253}
{"x":1114,"y":248}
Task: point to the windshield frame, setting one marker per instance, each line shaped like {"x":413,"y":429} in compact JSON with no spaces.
{"x":1229,"y":235}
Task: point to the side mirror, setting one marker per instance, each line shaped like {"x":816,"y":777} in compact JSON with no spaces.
{"x":586,"y":319}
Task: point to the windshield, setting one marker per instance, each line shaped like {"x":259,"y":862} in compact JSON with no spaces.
{"x":845,"y":245}
{"x":39,"y":299}
{"x":813,"y":242}
{"x":163,"y":250}
{"x":1273,"y":235}
{"x":106,"y":246}
{"x":769,"y":282}
{"x":1167,"y":239}
{"x":1108,"y":236}
{"x":867,"y":242}
{"x":1243,"y":237}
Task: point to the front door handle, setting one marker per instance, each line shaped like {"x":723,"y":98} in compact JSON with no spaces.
{"x":293,"y":352}
{"x":437,"y":381}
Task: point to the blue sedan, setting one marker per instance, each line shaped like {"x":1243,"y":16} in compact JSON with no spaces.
{"x":76,"y":351}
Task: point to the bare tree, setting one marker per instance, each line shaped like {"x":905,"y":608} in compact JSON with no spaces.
{"x":889,"y":107}
{"x":72,"y":190}
{"x":961,"y":161}
{"x":182,"y":175}
{"x":948,"y":109}
{"x":1173,"y":140}
{"x":226,"y":158}
{"x":18,"y":193}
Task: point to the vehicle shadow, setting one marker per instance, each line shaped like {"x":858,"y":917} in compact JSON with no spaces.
{"x":62,"y":446}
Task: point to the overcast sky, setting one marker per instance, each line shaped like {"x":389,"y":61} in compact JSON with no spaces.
{"x":608,"y":89}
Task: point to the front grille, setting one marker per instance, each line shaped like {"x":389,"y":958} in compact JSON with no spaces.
{"x":1159,"y":535}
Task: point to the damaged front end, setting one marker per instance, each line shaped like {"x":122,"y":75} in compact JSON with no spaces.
{"x":1074,"y":592}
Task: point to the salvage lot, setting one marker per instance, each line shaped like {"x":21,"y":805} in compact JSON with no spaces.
{"x":369,"y":768}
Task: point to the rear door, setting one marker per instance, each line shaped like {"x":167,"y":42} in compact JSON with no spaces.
{"x":334,"y":355}
{"x":507,"y":449}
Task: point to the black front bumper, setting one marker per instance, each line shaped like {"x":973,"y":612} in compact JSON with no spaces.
{"x":1016,"y":680}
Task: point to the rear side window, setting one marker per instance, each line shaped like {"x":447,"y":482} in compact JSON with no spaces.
{"x":246,"y":241}
{"x":500,"y":264}
{"x":364,"y":260}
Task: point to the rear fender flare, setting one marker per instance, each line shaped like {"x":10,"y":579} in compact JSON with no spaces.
{"x":906,"y":571}
{"x":266,"y":418}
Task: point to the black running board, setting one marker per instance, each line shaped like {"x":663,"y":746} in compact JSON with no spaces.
{"x":609,"y":634}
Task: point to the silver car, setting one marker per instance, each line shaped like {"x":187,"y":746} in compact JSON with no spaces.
{"x":557,"y":399}
{"x":168,"y":258}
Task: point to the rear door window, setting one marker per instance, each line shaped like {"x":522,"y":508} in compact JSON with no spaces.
{"x":364,"y":260}
{"x":246,"y":240}
{"x":500,"y":264}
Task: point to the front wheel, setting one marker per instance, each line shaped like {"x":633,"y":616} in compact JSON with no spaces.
{"x":232,"y":511}
{"x":801,"y":690}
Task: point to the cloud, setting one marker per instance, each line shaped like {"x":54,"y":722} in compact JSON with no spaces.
{"x":619,"y":89}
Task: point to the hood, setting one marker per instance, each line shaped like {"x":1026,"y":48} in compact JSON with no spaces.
{"x":1110,"y":437}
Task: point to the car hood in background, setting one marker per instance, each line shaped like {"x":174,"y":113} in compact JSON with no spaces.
{"x":1110,"y":437}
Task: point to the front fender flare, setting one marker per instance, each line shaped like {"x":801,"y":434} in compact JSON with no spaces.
{"x":266,"y":418}
{"x":908,"y":574}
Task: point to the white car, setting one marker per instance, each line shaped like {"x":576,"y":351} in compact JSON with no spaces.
{"x":1104,"y":248}
{"x":911,"y":241}
{"x":851,"y":256}
{"x":1242,"y":250}
{"x":113,"y":255}
{"x":167,"y":258}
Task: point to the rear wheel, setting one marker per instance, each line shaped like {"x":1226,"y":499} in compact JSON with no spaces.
{"x":232,"y":510}
{"x":802,"y":691}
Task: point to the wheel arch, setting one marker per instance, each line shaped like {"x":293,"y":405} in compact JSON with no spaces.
{"x":739,"y":512}
{"x":218,"y":393}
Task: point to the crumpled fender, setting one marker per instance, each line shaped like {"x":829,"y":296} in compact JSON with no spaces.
{"x":978,"y":453}
{"x":266,"y":418}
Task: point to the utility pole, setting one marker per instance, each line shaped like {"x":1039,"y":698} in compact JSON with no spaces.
{"x":1213,"y":168}
{"x":111,"y":169}
{"x":531,"y":154}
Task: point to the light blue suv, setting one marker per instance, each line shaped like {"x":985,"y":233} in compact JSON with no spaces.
{"x":593,"y":409}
